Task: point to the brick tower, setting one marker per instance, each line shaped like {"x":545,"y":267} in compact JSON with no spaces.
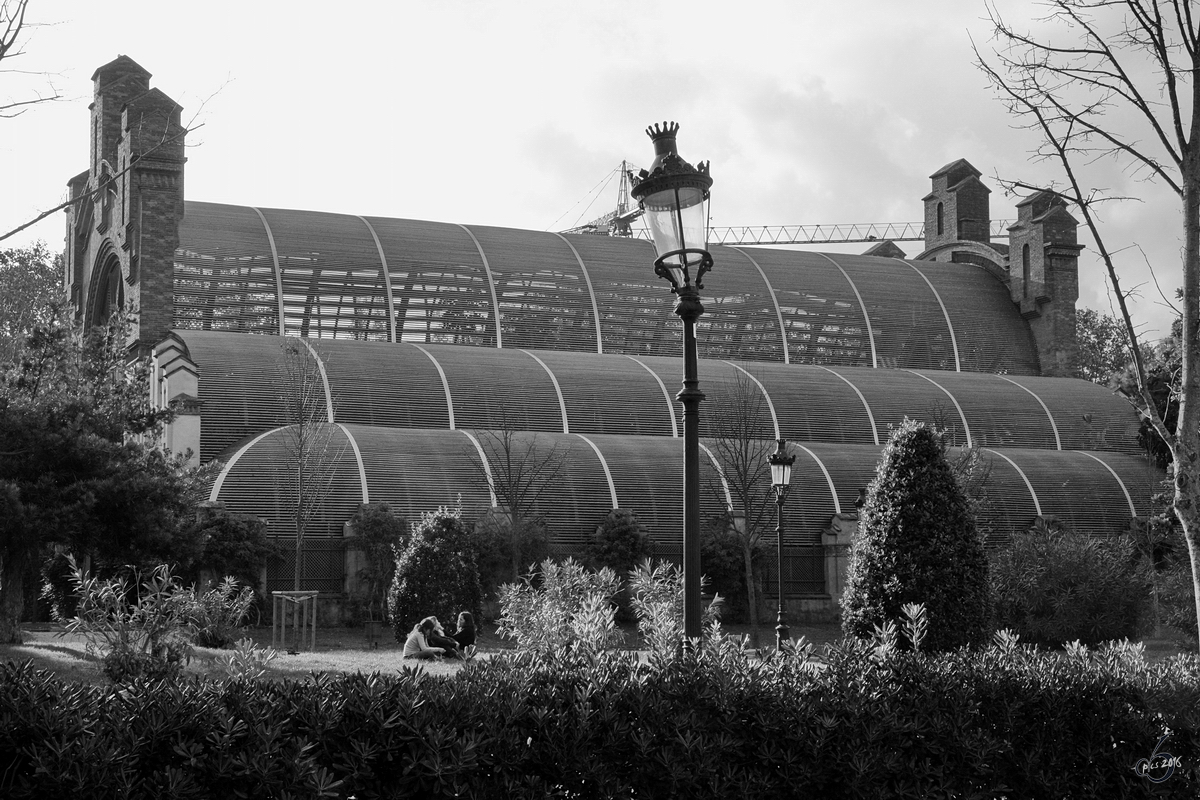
{"x":1043,"y":266}
{"x":123,"y":231}
{"x":958,"y":208}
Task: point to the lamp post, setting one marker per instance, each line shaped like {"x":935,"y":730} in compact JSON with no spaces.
{"x":673,"y":196}
{"x":781,"y":480}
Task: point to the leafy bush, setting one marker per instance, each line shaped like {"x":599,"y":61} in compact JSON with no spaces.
{"x":723,"y":562}
{"x":218,"y":614}
{"x":1007,"y":720}
{"x":234,"y":544}
{"x":1177,"y":598}
{"x":917,"y":543}
{"x":1158,"y":538}
{"x":619,"y":543}
{"x":491,"y":539}
{"x":436,"y":575}
{"x":57,"y":590}
{"x":150,"y":635}
{"x":657,"y":591}
{"x":247,"y":661}
{"x":1055,"y":587}
{"x":561,"y":605}
{"x":380,"y":536}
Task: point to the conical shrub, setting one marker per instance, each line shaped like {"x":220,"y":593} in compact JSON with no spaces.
{"x":917,"y":543}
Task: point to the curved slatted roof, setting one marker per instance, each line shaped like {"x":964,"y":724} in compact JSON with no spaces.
{"x":415,"y":470}
{"x":404,"y":385}
{"x":341,"y":276}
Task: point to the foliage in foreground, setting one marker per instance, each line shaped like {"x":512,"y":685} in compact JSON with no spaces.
{"x":870,"y":722}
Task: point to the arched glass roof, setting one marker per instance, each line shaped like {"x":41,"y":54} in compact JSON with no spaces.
{"x":418,"y":470}
{"x":340,"y":276}
{"x":405,"y":385}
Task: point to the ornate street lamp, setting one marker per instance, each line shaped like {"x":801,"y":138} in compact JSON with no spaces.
{"x":673,"y":196}
{"x":781,"y":480}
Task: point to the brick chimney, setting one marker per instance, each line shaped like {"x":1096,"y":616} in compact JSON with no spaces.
{"x":958,"y":208}
{"x":1043,"y":263}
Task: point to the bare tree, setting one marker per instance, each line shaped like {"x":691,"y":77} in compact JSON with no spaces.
{"x":1116,"y":82}
{"x":521,"y":467}
{"x":12,"y":27}
{"x":739,"y":428}
{"x":310,"y":455}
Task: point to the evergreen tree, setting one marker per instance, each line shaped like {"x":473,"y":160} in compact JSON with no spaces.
{"x":620,"y":543}
{"x":80,"y":466}
{"x":917,"y":543}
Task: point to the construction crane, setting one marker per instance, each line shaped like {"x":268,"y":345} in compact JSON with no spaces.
{"x":619,"y":222}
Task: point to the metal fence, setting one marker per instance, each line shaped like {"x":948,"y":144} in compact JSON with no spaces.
{"x":323,"y":567}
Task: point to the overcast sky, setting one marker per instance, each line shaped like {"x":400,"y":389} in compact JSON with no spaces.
{"x":511,"y":113}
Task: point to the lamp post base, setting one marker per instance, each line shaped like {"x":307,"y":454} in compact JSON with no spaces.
{"x":782,"y":634}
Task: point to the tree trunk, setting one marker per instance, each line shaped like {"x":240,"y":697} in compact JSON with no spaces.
{"x":751,"y":594}
{"x":1194,"y":557}
{"x":299,"y":553}
{"x":12,"y":598}
{"x":515,"y":540}
{"x":1188,"y":513}
{"x":1186,"y":447}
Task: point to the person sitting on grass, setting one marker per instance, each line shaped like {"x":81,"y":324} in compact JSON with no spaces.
{"x":417,"y":643}
{"x":437,"y":638}
{"x":464,"y":634}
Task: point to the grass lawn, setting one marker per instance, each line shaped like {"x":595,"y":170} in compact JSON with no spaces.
{"x":338,"y":650}
{"x":346,"y":650}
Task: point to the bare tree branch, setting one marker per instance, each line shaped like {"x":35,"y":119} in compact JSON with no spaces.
{"x":519,"y":469}
{"x":1027,"y":59}
{"x":12,"y":25}
{"x":1052,"y":88}
{"x":85,"y":196}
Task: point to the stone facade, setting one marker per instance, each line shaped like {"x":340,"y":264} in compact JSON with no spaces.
{"x":122,"y":234}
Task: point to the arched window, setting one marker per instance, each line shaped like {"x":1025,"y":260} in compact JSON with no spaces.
{"x":1025,"y":269}
{"x":109,"y":292}
{"x":940,"y":223}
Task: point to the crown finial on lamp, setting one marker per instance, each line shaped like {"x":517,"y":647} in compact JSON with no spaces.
{"x":663,"y":138}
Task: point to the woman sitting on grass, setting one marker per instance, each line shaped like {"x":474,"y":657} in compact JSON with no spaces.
{"x":464,"y":634}
{"x":417,"y":643}
{"x":437,"y":638}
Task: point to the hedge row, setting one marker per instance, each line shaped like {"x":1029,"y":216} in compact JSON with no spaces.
{"x":996,"y":723}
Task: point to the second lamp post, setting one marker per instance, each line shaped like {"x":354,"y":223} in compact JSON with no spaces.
{"x":781,"y":481}
{"x":673,"y":196}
